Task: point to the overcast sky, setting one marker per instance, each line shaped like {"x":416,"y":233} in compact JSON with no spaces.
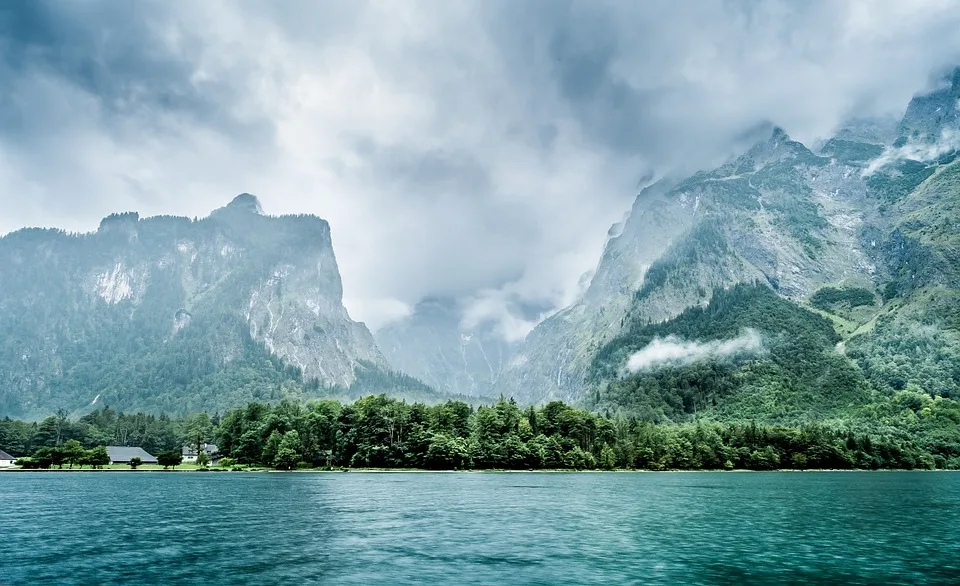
{"x":473,"y":149}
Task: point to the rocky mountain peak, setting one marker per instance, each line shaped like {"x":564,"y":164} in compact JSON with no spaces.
{"x":239,"y":288}
{"x":929,"y":115}
{"x":777,"y":146}
{"x":778,"y":135}
{"x":123,"y":223}
{"x":246,"y":202}
{"x":434,"y":345}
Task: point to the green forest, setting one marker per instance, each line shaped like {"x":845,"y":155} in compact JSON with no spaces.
{"x":797,"y":378}
{"x":910,"y":430}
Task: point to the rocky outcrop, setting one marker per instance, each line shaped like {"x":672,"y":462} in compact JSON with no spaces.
{"x":928,"y":115}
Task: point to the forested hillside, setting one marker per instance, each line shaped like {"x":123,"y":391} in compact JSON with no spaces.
{"x":793,"y":374}
{"x":788,"y":286}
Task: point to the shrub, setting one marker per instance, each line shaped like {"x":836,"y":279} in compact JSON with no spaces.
{"x":171,"y":458}
{"x":828,"y":297}
{"x":29,"y":463}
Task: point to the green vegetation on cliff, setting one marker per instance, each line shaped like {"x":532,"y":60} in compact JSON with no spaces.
{"x":797,"y":375}
{"x":829,"y":298}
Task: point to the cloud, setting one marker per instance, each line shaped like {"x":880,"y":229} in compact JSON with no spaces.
{"x":674,"y":351}
{"x":948,"y":142}
{"x":507,"y":313}
{"x":475,"y":149}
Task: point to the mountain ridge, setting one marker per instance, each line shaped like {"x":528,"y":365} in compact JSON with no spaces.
{"x":873,"y":223}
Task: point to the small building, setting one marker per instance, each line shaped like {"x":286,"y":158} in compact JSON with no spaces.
{"x":6,"y":460}
{"x":190,"y":453}
{"x":123,"y":455}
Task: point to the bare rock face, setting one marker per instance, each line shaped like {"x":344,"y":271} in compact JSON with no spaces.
{"x":186,"y":298}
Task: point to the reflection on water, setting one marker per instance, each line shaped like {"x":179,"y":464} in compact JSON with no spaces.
{"x":537,"y":528}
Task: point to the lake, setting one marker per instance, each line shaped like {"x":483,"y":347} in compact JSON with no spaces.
{"x":479,"y":528}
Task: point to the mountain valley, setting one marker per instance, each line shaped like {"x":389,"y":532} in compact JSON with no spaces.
{"x":789,"y":284}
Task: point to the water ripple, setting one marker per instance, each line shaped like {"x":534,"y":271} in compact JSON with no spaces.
{"x":540,"y":528}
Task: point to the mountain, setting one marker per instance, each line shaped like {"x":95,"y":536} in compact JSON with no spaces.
{"x":928,"y":116}
{"x":857,"y":235}
{"x":779,"y":214}
{"x":172,"y":314}
{"x":433,"y":345}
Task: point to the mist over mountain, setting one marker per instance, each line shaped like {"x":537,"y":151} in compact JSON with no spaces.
{"x":435,"y":345}
{"x":302,"y":270}
{"x":854,"y":234}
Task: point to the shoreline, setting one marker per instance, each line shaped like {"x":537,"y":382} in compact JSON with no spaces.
{"x":481,"y":471}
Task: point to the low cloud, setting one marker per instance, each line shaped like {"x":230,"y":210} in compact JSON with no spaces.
{"x":503,"y":312}
{"x":674,"y":351}
{"x":916,"y":151}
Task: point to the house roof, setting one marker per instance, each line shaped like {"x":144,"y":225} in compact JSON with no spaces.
{"x":6,"y":456}
{"x":126,"y":453}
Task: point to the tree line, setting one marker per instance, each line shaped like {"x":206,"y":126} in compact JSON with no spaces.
{"x":105,"y":426}
{"x":381,"y":432}
{"x":71,"y":453}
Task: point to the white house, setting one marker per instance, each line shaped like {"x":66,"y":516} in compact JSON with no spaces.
{"x":190,"y":454}
{"x":6,"y":460}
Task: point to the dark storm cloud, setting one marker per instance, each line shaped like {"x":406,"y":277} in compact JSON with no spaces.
{"x":672,"y":82}
{"x":478,"y":149}
{"x":571,"y":45}
{"x":117,"y":53}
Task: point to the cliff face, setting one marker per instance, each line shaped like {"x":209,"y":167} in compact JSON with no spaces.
{"x":139,"y":311}
{"x":779,"y":214}
{"x":928,"y":116}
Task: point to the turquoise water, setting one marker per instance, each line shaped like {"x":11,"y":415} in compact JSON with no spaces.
{"x":515,"y":528}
